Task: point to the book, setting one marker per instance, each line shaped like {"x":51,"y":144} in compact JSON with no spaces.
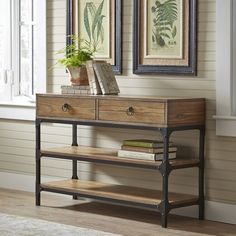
{"x":76,"y":92}
{"x":75,"y":89}
{"x":144,"y":156}
{"x":106,"y":78}
{"x":147,"y":150}
{"x":92,"y":77}
{"x":145,"y":143}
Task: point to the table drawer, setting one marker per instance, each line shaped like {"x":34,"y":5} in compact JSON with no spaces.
{"x":62,"y":107}
{"x":147,"y":112}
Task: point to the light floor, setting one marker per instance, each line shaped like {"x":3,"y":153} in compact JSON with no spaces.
{"x":105,"y":217}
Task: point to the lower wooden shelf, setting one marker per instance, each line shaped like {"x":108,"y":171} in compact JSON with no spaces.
{"x":119,"y":193}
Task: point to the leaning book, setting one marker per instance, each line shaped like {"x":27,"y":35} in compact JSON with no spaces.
{"x":106,"y":78}
{"x":92,"y":77}
{"x":144,"y":156}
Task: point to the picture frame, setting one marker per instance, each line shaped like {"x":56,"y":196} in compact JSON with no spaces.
{"x":106,"y":36}
{"x":165,"y":45}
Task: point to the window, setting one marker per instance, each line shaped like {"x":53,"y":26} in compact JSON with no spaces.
{"x":22,"y":51}
{"x":26,"y":27}
{"x":5,"y":49}
{"x":226,"y":68}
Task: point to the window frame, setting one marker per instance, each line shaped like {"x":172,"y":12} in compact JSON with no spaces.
{"x":23,"y":108}
{"x":225,"y":68}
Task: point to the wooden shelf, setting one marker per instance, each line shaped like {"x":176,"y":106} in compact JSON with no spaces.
{"x":109,"y":156}
{"x":116,"y":192}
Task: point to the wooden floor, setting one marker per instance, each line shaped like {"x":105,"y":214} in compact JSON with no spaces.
{"x":105,"y":217}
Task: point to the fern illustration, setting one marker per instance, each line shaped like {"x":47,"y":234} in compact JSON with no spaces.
{"x":165,"y":15}
{"x":93,"y":22}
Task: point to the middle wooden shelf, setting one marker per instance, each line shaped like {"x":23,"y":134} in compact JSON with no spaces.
{"x":109,"y":156}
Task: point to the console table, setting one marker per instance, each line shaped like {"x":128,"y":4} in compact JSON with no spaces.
{"x":164,"y":115}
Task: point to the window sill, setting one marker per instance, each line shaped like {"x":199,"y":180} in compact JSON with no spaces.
{"x":225,"y":125}
{"x":20,"y":108}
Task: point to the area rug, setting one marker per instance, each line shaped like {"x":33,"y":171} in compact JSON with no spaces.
{"x":11,"y":225}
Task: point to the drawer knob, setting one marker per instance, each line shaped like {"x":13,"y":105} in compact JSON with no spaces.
{"x":130,"y":111}
{"x":65,"y":107}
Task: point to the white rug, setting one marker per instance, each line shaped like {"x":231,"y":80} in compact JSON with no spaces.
{"x":11,"y":225}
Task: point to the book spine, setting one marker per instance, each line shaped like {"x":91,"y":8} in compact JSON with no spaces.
{"x":92,"y":78}
{"x":75,"y":91}
{"x":147,"y":150}
{"x":144,"y":156}
{"x":82,"y":91}
{"x":142,"y":144}
{"x":75,"y":87}
{"x":160,"y":156}
{"x":136,"y":155}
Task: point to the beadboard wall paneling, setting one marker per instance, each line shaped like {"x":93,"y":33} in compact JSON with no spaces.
{"x":17,"y":138}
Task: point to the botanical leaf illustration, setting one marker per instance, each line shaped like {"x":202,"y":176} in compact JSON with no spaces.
{"x":93,"y":22}
{"x":99,"y":26}
{"x":168,"y":11}
{"x":92,"y":9}
{"x":102,"y":34}
{"x":174,"y":31}
{"x":165,"y":15}
{"x":165,"y":35}
{"x":96,"y":18}
{"x":153,"y":38}
{"x":86,"y":21}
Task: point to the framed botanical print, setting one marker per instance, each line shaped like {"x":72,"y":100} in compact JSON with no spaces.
{"x":165,"y":37}
{"x":99,"y":23}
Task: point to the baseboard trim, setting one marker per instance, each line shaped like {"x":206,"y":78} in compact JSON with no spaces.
{"x":20,"y":181}
{"x":215,"y":211}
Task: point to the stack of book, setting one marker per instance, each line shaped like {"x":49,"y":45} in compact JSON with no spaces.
{"x":145,"y":149}
{"x":75,"y":89}
{"x":101,"y":78}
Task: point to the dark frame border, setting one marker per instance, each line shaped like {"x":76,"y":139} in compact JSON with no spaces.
{"x":117,"y":67}
{"x":191,"y":69}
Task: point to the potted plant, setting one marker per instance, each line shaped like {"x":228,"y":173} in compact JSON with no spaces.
{"x":74,"y":59}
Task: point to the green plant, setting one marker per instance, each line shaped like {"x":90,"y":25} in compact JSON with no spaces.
{"x":76,"y":54}
{"x":93,"y":20}
{"x":166,"y":14}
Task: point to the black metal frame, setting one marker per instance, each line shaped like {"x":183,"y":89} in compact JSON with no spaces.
{"x":117,"y":67}
{"x":191,"y":68}
{"x":69,"y":21}
{"x":165,"y":168}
